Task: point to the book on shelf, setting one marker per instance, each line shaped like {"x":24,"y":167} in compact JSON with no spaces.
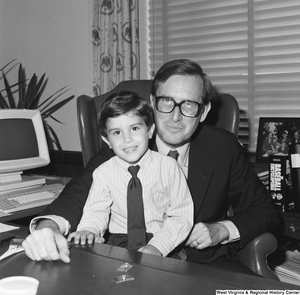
{"x":280,"y":182}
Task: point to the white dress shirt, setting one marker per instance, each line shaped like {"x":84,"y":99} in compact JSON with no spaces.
{"x":168,"y":205}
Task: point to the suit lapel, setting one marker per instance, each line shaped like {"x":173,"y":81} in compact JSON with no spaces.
{"x":199,"y":172}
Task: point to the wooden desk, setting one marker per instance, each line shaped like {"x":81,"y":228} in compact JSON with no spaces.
{"x":93,"y":267}
{"x":33,"y":211}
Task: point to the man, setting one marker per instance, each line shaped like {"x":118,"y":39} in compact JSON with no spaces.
{"x":212,"y":160}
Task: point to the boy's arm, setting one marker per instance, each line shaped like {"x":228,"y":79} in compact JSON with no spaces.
{"x":69,"y":205}
{"x":97,"y":208}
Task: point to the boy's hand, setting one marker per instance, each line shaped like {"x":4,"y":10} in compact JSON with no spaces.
{"x":150,"y":250}
{"x":83,"y":237}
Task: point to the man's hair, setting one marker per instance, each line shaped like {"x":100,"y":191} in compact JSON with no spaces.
{"x":123,"y":103}
{"x":183,"y":67}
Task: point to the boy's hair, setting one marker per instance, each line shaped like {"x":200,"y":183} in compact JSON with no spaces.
{"x":122,"y":103}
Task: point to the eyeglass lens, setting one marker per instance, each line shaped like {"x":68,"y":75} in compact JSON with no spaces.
{"x":187,"y":107}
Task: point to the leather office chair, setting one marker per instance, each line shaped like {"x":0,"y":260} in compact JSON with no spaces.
{"x":224,"y":114}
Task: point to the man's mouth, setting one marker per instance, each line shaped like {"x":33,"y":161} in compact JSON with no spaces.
{"x":174,"y":128}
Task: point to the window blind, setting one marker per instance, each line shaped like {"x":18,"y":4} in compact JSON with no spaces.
{"x":249,"y":48}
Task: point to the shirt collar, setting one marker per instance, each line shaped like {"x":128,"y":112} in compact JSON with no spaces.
{"x":143,"y":162}
{"x":182,"y":150}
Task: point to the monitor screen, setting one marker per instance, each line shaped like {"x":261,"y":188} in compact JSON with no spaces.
{"x":23,"y":143}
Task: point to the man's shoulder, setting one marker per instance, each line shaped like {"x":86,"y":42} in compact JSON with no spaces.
{"x":213,"y":140}
{"x":207,"y":133}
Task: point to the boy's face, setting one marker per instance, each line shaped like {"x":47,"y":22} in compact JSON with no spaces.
{"x":128,"y":136}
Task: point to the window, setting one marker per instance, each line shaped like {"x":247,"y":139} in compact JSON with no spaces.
{"x":249,"y":48}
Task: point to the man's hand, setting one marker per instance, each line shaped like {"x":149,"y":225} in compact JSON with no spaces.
{"x":149,"y":249}
{"x":207,"y":234}
{"x":47,"y":243}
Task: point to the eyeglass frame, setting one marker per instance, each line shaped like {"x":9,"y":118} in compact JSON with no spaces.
{"x":176,"y":104}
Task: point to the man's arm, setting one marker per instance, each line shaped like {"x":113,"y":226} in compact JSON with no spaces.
{"x":47,"y":242}
{"x":233,"y":182}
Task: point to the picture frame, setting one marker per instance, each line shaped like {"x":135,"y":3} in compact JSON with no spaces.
{"x":272,"y":132}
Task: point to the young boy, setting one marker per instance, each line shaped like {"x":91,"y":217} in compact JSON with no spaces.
{"x":126,"y":123}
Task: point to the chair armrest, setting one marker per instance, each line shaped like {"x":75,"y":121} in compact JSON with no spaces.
{"x":254,"y":255}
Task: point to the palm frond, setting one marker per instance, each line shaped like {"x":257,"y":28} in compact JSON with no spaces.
{"x":36,"y":93}
{"x":59,"y":93}
{"x":46,"y":113}
{"x":3,"y":103}
{"x":22,"y":84}
{"x":10,"y":96}
{"x":7,"y":65}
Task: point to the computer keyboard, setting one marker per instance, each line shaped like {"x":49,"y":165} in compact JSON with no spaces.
{"x":30,"y":198}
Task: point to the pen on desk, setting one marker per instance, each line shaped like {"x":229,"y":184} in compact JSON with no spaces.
{"x":5,"y":239}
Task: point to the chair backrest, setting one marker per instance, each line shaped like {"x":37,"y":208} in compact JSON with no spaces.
{"x":224,"y":114}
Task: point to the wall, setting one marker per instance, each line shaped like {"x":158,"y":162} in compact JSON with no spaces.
{"x":52,"y":37}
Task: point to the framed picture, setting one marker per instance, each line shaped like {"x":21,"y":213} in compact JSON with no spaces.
{"x":275,"y":135}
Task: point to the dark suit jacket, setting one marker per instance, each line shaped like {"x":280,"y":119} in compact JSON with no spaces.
{"x":218,"y":175}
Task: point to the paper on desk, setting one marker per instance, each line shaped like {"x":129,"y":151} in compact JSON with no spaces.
{"x":15,"y":247}
{"x":5,"y":227}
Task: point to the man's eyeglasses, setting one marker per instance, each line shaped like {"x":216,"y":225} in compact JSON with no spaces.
{"x":188,"y":108}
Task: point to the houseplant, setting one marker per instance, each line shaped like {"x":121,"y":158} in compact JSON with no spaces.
{"x":27,"y":95}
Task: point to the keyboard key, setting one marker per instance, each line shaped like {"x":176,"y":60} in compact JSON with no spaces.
{"x":30,"y":198}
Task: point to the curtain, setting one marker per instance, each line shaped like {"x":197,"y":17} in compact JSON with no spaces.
{"x":115,"y":37}
{"x":249,"y":48}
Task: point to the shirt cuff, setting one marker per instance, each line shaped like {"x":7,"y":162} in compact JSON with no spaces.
{"x":234,"y":234}
{"x":63,"y":224}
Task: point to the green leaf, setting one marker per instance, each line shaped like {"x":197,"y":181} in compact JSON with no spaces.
{"x":30,"y":89}
{"x":36,"y":93}
{"x":7,"y":65}
{"x":3,"y":103}
{"x":10,"y":96}
{"x":54,"y":108}
{"x":22,"y":84}
{"x":46,"y":101}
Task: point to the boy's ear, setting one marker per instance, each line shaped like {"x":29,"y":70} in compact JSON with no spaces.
{"x":106,"y":141}
{"x":151,"y":131}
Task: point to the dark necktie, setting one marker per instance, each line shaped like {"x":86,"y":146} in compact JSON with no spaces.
{"x":136,"y":222}
{"x":173,"y":154}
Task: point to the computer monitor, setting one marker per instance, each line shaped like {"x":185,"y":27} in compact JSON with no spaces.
{"x":23,"y":146}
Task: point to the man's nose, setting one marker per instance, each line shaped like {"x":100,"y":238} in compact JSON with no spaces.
{"x":176,"y":114}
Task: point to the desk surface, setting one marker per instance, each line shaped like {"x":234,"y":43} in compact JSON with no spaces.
{"x":93,"y":267}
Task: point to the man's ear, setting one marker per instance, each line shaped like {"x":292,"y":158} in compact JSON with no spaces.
{"x":106,"y":141}
{"x":152,"y":99}
{"x":151,"y":131}
{"x":205,"y":111}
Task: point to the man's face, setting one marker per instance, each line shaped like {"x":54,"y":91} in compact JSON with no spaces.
{"x":173,"y":128}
